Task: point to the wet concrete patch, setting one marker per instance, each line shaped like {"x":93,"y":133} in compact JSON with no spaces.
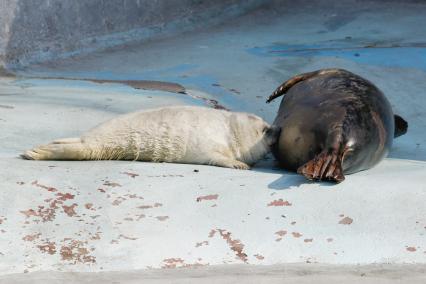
{"x":404,"y":55}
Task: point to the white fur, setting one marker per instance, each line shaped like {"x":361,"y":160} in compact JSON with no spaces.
{"x":180,"y":134}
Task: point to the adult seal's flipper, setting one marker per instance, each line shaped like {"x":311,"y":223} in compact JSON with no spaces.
{"x":284,"y":87}
{"x":401,"y":126}
{"x":325,"y":166}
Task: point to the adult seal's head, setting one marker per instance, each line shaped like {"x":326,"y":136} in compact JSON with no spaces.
{"x":333,"y":123}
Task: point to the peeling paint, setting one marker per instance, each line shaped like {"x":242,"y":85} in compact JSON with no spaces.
{"x":48,"y":247}
{"x":162,"y":218}
{"x":75,"y":251}
{"x":281,"y":233}
{"x":30,"y":238}
{"x":89,"y":206}
{"x":111,"y":184}
{"x":48,"y":188}
{"x":127,"y":238}
{"x":132,"y":175}
{"x":207,"y":197}
{"x":234,"y":244}
{"x":69,"y":210}
{"x":201,"y":244}
{"x":346,"y":221}
{"x":279,"y":202}
{"x":296,"y":234}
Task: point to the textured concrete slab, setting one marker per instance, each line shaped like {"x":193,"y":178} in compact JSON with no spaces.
{"x":123,"y":216}
{"x":37,"y":31}
{"x":290,"y":273}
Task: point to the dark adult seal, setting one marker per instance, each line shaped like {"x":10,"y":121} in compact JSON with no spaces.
{"x":333,"y":122}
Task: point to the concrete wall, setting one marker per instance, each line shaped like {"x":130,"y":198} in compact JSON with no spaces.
{"x":38,"y":30}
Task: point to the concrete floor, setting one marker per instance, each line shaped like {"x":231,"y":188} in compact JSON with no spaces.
{"x":124,"y":216}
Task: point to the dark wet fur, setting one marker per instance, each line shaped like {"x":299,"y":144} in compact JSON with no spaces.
{"x":333,"y":122}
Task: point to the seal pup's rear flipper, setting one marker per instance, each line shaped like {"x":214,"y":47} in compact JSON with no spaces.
{"x":401,"y":126}
{"x":61,"y":149}
{"x":325,"y":166}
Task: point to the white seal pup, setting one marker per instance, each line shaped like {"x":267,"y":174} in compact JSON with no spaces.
{"x":178,"y":134}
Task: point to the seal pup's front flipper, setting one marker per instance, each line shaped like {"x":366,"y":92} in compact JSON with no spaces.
{"x":229,"y":163}
{"x":284,"y":87}
{"x":401,"y":126}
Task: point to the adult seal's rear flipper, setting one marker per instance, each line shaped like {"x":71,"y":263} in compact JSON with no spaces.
{"x":401,"y":126}
{"x":284,"y":87}
{"x":325,"y":166}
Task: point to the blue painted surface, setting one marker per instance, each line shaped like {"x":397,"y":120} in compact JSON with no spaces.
{"x":405,"y":57}
{"x":188,"y":75}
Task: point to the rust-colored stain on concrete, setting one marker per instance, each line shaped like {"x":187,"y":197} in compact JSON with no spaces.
{"x":69,"y":210}
{"x":48,"y":213}
{"x":64,"y":196}
{"x":411,"y":249}
{"x":48,"y":247}
{"x":259,"y":256}
{"x":75,"y":251}
{"x":208,"y":197}
{"x":279,"y":202}
{"x":48,"y":188}
{"x":234,"y":244}
{"x":346,"y":221}
{"x":308,"y":240}
{"x":178,"y":262}
{"x":132,"y":175}
{"x":281,"y":233}
{"x":172,"y":262}
{"x":30,"y":238}
{"x":296,"y":234}
{"x":28,"y":213}
{"x":89,"y":206}
{"x":162,"y":218}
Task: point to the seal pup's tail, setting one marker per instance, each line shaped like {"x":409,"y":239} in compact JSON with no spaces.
{"x":62,"y":149}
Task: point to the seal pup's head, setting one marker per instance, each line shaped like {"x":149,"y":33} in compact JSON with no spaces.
{"x":254,"y":136}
